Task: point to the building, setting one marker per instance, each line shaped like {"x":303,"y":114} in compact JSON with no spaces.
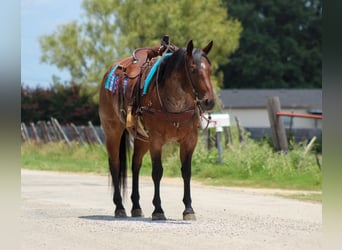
{"x":249,"y":106}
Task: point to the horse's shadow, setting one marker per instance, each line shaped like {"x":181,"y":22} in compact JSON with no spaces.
{"x":141,"y":219}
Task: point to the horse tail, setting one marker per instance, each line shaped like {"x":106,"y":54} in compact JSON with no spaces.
{"x":123,"y":156}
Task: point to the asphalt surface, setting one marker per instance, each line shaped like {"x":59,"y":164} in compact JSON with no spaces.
{"x":75,"y":211}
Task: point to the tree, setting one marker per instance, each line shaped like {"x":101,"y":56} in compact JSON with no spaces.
{"x":111,"y":29}
{"x":280,"y":46}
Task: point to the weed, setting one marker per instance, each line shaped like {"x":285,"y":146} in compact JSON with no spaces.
{"x":251,"y":164}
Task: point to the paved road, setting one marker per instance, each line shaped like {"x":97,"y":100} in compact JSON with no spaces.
{"x":74,"y":211}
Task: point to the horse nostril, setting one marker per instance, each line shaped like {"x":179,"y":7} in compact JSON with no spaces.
{"x":209,"y":104}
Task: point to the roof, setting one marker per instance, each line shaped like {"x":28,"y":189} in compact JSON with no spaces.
{"x":257,"y":98}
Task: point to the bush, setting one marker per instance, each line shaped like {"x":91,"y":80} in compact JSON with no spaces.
{"x":63,"y":102}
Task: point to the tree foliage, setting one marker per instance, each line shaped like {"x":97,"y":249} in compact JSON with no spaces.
{"x":280,"y":46}
{"x":63,"y":102}
{"x":111,"y":29}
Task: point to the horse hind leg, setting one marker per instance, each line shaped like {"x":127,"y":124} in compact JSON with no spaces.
{"x":117,"y":169}
{"x":140,"y":148}
{"x":117,"y":199}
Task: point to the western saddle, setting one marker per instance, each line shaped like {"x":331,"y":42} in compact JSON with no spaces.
{"x":135,"y":68}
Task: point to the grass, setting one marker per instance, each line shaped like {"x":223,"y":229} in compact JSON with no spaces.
{"x":314,"y":197}
{"x":254,"y":164}
{"x":61,"y":157}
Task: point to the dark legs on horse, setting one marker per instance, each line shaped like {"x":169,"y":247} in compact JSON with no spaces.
{"x":157,"y":173}
{"x":115,"y":173}
{"x":189,"y":213}
{"x":186,"y":151}
{"x":140,"y":148}
{"x":117,"y":166}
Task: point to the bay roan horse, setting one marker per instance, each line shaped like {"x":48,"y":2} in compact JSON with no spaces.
{"x":179,"y":93}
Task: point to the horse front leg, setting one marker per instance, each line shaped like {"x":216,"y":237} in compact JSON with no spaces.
{"x":186,"y":151}
{"x":157,"y":173}
{"x":140,"y":148}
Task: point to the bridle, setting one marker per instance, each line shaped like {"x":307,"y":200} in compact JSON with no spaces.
{"x":197,"y":100}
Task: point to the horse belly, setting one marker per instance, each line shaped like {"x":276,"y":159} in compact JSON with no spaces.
{"x":168,"y":132}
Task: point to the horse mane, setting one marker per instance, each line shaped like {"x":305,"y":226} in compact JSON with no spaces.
{"x":175,"y":61}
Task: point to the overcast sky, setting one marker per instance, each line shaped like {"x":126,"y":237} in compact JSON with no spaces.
{"x":41,"y":17}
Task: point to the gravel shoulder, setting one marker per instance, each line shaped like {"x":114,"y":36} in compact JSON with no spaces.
{"x":75,"y":211}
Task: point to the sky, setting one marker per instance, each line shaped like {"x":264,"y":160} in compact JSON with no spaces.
{"x":38,"y":18}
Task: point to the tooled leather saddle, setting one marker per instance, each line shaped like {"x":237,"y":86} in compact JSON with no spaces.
{"x":124,"y":75}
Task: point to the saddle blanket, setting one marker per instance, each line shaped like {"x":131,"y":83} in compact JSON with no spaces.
{"x":112,"y":82}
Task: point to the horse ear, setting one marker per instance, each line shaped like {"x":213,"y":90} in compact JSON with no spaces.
{"x":189,"y":48}
{"x":207,"y":48}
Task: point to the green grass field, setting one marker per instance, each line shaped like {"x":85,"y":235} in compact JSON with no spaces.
{"x":254,"y":164}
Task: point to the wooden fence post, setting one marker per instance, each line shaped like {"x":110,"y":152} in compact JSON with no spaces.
{"x":24,"y":133}
{"x":97,"y":137}
{"x":76,"y":133}
{"x":278,"y":132}
{"x":227,"y":136}
{"x":241,"y":139}
{"x":59,"y":128}
{"x":45,"y":133}
{"x":55,"y":129}
{"x":86,"y":135}
{"x":35,"y":133}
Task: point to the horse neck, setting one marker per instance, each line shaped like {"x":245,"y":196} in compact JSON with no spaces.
{"x":176,"y":92}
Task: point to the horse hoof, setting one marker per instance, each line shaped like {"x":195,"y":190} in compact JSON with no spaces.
{"x":120,"y":213}
{"x":137,"y":213}
{"x":158,"y":216}
{"x":189,"y":214}
{"x":189,"y":217}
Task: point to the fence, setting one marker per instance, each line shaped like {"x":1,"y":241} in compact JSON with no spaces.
{"x":278,"y":131}
{"x":52,"y":131}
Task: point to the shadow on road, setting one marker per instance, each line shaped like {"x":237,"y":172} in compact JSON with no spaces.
{"x":149,"y":220}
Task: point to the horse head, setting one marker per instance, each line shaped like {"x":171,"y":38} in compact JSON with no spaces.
{"x":199,"y":70}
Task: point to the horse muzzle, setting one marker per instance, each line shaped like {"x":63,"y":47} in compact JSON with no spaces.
{"x":207,"y":104}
